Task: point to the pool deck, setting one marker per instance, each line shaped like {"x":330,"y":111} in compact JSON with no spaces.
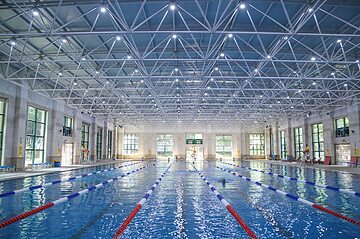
{"x":335,"y":168}
{"x":37,"y":172}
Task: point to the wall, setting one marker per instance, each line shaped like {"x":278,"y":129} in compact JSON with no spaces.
{"x":18,"y":99}
{"x":328,"y":120}
{"x":147,"y":142}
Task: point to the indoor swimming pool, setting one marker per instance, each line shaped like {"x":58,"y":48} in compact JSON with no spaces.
{"x":183,"y":205}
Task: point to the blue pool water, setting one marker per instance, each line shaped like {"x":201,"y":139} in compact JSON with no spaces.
{"x":183,"y":206}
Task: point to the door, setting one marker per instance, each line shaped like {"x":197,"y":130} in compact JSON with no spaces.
{"x":342,"y":154}
{"x":194,"y":152}
{"x":67,"y":154}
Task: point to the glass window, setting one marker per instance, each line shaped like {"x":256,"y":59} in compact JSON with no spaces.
{"x":131,"y":144}
{"x":67,"y":127}
{"x":85,"y":141}
{"x":283,"y":150}
{"x":257,"y":144}
{"x":165,"y":144}
{"x":35,"y":136}
{"x":318,"y":140}
{"x":223,"y":146}
{"x":298,"y":141}
{"x":194,"y":136}
{"x":342,"y":127}
{"x":109,"y":144}
{"x":2,"y":129}
{"x":99,"y":143}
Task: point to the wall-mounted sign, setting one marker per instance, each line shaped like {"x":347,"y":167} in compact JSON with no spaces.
{"x":194,"y":141}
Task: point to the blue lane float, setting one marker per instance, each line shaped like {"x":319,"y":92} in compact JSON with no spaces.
{"x":66,"y":198}
{"x":138,"y":206}
{"x":227,"y":205}
{"x":343,"y":190}
{"x":292,"y":196}
{"x":31,"y":188}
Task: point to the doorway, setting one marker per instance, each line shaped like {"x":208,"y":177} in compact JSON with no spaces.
{"x":194,"y":151}
{"x":67,"y":154}
{"x":342,"y":154}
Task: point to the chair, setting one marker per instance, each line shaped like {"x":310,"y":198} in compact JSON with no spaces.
{"x":353,"y":161}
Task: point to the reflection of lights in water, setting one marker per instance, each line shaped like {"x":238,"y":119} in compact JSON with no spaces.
{"x":179,"y":216}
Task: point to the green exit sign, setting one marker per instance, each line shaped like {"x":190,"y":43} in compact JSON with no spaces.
{"x":194,"y":141}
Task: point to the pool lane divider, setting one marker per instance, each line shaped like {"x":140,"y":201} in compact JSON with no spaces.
{"x":292,"y":196}
{"x":232,"y":211}
{"x":31,"y":188}
{"x":66,"y":198}
{"x":343,"y":190}
{"x":139,"y":205}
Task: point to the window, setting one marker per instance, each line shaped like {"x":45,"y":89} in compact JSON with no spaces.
{"x":194,"y":136}
{"x":99,"y":143}
{"x":298,"y":142}
{"x":342,"y":127}
{"x":318,"y":140}
{"x":131,"y":144}
{"x":283,"y":151}
{"x":68,"y":125}
{"x":2,"y":127}
{"x":223,"y":146}
{"x":109,"y":144}
{"x":35,"y":136}
{"x":85,"y":141}
{"x":165,"y":143}
{"x":257,"y":144}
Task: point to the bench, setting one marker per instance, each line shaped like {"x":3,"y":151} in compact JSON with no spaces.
{"x":6,"y":169}
{"x":39,"y":165}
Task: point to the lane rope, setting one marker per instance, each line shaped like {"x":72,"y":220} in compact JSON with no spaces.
{"x":343,"y":190}
{"x":31,"y":188}
{"x":139,"y":205}
{"x":232,"y":211}
{"x":292,"y":196}
{"x":66,"y":198}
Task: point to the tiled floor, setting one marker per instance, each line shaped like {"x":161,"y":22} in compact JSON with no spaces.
{"x":27,"y":173}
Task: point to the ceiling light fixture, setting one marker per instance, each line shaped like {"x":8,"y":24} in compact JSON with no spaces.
{"x":103,"y":9}
{"x":35,"y":13}
{"x":172,"y":7}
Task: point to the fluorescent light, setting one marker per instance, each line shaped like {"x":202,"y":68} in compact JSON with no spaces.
{"x":63,"y":40}
{"x":242,"y":6}
{"x":313,"y":58}
{"x":174,"y":36}
{"x":118,"y":38}
{"x":222,"y":54}
{"x":230,"y":35}
{"x":338,"y":40}
{"x":172,"y":7}
{"x":12,"y":43}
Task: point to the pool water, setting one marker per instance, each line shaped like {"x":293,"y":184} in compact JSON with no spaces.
{"x":183,"y":206}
